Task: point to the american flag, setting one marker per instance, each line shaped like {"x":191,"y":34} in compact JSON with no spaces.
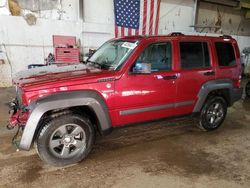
{"x":136,"y":17}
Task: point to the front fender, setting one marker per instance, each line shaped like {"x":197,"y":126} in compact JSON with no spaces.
{"x":64,"y":100}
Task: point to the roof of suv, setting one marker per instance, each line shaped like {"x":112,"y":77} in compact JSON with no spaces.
{"x":175,"y":35}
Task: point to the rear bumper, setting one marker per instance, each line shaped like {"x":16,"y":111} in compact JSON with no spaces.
{"x":236,"y":94}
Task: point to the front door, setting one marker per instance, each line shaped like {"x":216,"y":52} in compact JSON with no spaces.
{"x":142,"y":97}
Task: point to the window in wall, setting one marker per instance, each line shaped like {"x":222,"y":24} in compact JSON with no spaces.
{"x":158,"y":55}
{"x":225,"y":53}
{"x":194,"y":55}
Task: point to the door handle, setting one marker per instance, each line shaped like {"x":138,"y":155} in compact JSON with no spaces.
{"x":171,"y":77}
{"x":209,"y":73}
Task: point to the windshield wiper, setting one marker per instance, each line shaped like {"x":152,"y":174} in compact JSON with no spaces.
{"x":99,"y":65}
{"x":94,"y":63}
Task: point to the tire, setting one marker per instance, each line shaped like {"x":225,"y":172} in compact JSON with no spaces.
{"x":248,"y":89}
{"x":65,"y":140}
{"x":213,"y":113}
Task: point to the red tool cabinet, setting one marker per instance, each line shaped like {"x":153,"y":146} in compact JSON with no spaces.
{"x":65,"y":49}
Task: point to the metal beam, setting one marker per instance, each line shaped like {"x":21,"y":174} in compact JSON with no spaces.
{"x":229,"y":3}
{"x":195,"y":13}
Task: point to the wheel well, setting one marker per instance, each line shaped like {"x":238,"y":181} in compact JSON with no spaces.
{"x":89,"y":112}
{"x":80,"y":110}
{"x":225,"y":93}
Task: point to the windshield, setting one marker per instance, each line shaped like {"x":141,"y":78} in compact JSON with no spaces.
{"x":112,"y":54}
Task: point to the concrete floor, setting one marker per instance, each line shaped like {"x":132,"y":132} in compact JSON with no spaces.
{"x":169,"y":153}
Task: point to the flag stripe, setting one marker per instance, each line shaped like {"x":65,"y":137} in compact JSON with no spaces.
{"x":116,"y":31}
{"x":144,"y":17}
{"x":141,"y":17}
{"x":129,"y":31}
{"x":122,"y":31}
{"x":151,"y":17}
{"x":137,"y":32}
{"x":154,"y":17}
{"x":157,"y":17}
{"x":133,"y":32}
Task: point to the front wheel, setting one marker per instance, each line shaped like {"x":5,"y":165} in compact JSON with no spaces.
{"x":65,"y":140}
{"x":213,"y":113}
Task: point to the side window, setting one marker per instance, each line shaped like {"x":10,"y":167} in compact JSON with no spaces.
{"x":158,"y":55}
{"x":194,"y":55}
{"x":225,"y":53}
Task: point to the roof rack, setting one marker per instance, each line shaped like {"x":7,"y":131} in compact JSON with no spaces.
{"x":176,"y":34}
{"x":133,"y":36}
{"x":226,"y":36}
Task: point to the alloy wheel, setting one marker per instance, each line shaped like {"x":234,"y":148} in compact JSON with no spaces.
{"x":67,"y":141}
{"x":215,"y":114}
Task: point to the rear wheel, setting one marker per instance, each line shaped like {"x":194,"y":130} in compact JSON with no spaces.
{"x":65,"y":140}
{"x":213,"y":113}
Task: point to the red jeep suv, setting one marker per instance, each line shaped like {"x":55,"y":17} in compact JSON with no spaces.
{"x":127,"y":80}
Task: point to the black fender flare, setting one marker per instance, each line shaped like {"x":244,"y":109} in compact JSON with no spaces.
{"x":212,"y":86}
{"x":64,"y":100}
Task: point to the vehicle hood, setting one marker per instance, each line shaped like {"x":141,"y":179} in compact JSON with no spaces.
{"x":59,"y":74}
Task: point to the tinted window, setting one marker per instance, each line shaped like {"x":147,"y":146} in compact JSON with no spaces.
{"x":158,"y":55}
{"x":194,"y":55}
{"x":225,"y":53}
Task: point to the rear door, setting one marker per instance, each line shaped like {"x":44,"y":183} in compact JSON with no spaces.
{"x":195,"y":68}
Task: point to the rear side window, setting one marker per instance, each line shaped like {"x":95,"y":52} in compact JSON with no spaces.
{"x":225,"y":53}
{"x":194,"y":55}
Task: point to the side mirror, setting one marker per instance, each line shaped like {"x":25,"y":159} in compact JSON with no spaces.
{"x":142,"y":68}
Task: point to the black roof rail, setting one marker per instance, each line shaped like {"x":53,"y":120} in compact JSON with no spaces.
{"x":133,"y":36}
{"x":226,"y":36}
{"x":176,"y":34}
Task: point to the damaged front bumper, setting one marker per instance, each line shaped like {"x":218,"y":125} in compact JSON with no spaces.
{"x":18,"y":117}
